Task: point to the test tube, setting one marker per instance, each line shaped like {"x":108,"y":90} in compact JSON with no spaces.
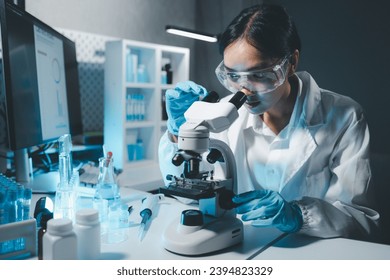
{"x":12,"y":205}
{"x":27,"y":195}
{"x":19,"y":202}
{"x":3,"y":212}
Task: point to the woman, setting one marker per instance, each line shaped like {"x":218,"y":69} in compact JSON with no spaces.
{"x":302,"y":152}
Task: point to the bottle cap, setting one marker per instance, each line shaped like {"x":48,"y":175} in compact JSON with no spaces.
{"x":59,"y":226}
{"x":87,"y":217}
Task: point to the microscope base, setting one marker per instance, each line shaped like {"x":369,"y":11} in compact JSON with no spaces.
{"x":214,"y":235}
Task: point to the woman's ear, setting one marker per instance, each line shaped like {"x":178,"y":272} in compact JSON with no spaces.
{"x":293,"y":63}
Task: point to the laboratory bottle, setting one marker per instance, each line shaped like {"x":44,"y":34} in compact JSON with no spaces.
{"x":129,"y":67}
{"x":142,"y":76}
{"x":60,"y":241}
{"x":87,"y":229}
{"x":164,"y":80}
{"x":44,"y":217}
{"x":143,"y":107}
{"x":136,"y":107}
{"x":169,"y":73}
{"x":107,"y":192}
{"x":129,"y":107}
{"x":139,"y":149}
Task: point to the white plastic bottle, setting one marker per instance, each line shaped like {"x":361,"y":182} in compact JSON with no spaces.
{"x":87,"y":229}
{"x":60,"y":241}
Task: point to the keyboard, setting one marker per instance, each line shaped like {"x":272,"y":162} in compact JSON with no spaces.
{"x":88,"y":175}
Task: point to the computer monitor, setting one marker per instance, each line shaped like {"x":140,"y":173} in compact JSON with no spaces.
{"x":40,"y":78}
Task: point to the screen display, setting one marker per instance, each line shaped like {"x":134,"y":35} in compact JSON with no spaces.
{"x":49,"y":53}
{"x":41,"y":80}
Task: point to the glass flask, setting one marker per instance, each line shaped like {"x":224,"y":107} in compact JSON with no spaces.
{"x":107,"y":192}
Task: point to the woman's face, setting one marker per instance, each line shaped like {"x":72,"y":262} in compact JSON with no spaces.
{"x":242,"y":57}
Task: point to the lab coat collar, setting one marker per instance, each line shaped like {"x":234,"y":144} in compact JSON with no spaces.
{"x":312,"y":114}
{"x":301,"y":128}
{"x":311,"y":117}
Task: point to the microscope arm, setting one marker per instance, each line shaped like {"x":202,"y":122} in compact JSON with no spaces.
{"x":229,"y":161}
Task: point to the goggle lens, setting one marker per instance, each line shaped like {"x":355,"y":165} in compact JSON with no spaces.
{"x":260,"y":81}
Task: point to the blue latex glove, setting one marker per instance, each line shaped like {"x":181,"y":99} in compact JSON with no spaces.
{"x":178,"y":100}
{"x":268,"y":208}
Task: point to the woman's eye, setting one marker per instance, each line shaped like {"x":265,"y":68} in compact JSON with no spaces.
{"x":233,"y":76}
{"x":258,"y":76}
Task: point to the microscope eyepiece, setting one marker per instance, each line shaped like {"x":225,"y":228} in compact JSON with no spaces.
{"x":238,"y":99}
{"x":211,"y":97}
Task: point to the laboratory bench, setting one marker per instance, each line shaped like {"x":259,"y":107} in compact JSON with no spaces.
{"x":151,"y":247}
{"x":258,"y":243}
{"x":299,"y":247}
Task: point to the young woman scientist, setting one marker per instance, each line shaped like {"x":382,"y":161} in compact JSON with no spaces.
{"x":302,"y":152}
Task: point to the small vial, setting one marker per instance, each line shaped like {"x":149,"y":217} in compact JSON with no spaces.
{"x":115,"y":233}
{"x":87,"y":229}
{"x":124,"y":216}
{"x":60,"y":241}
{"x":27,"y":195}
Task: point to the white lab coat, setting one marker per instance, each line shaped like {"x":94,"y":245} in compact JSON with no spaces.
{"x":320,"y":159}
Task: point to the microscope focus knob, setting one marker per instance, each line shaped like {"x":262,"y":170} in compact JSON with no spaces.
{"x":191,"y":217}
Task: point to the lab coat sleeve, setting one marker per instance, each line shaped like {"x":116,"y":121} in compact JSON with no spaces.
{"x":166,"y":151}
{"x":346,"y":209}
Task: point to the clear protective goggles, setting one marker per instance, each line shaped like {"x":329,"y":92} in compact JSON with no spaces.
{"x":262,"y":81}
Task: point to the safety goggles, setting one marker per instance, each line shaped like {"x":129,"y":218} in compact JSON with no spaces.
{"x":264,"y":80}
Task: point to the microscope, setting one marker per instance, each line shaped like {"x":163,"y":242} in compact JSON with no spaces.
{"x":214,"y":225}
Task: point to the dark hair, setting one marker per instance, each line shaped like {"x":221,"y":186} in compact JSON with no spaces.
{"x":268,"y":28}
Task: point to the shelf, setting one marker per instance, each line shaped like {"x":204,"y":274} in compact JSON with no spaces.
{"x":139,"y":124}
{"x":141,"y":85}
{"x":135,"y":83}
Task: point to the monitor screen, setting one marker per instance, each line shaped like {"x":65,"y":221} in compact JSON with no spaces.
{"x":41,"y":85}
{"x":40,"y":79}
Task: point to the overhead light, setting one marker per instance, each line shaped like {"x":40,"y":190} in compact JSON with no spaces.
{"x":191,"y":34}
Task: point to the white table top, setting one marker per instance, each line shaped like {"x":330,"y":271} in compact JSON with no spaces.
{"x":259,"y":243}
{"x":299,"y":247}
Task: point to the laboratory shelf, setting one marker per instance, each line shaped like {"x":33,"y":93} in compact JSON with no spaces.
{"x":135,"y":81}
{"x":139,"y":124}
{"x":141,"y":85}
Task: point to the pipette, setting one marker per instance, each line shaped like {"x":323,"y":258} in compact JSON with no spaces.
{"x":149,"y":205}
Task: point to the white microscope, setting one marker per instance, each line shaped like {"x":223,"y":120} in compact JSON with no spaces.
{"x":214,"y":226}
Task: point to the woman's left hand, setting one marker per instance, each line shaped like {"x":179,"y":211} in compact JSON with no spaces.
{"x":268,"y":208}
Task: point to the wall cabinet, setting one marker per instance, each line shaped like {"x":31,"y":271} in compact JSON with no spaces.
{"x":135,"y":81}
